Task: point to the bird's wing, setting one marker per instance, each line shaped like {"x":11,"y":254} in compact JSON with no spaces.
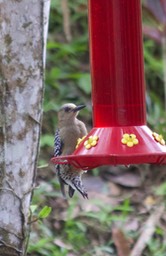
{"x":58,"y":144}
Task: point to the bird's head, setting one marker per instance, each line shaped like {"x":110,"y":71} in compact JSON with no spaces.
{"x":69,"y":111}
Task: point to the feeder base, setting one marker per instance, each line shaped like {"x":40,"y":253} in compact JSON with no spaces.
{"x":111,"y":150}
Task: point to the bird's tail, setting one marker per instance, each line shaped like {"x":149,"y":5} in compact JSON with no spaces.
{"x":71,"y":191}
{"x":61,"y":181}
{"x":79,"y":186}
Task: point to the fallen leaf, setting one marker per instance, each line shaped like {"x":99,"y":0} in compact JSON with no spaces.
{"x":121,"y":242}
{"x":61,"y":244}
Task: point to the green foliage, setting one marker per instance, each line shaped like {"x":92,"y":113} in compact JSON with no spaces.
{"x":155,"y":248}
{"x":156,"y":115}
{"x":84,"y":83}
{"x":33,"y":208}
{"x":161,"y":190}
{"x":67,"y":77}
{"x":153,"y":62}
{"x":44,"y":213}
{"x":47,"y":140}
{"x":75,"y":235}
{"x":106,"y":214}
{"x":79,"y":227}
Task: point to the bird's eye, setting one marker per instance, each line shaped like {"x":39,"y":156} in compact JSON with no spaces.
{"x":67,"y":109}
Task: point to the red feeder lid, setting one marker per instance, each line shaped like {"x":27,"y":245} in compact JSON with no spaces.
{"x":118,"y":91}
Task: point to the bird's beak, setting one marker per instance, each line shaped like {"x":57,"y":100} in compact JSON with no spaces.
{"x":77,"y":108}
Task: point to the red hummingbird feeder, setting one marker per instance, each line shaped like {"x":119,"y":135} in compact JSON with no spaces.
{"x":120,"y":135}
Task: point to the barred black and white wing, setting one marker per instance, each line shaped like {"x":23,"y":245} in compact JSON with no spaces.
{"x":57,"y":144}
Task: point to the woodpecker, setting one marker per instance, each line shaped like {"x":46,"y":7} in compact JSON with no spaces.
{"x":66,"y":136}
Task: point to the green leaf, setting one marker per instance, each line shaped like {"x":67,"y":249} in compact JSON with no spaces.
{"x":44,"y":212}
{"x":33,"y":208}
{"x":42,"y":166}
{"x":85,"y":83}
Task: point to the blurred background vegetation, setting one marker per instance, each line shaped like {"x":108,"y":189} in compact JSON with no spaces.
{"x":77,"y":227}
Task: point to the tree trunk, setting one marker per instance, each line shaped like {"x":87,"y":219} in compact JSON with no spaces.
{"x":23,"y":30}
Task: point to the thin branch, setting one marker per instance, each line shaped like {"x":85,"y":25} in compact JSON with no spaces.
{"x":66,"y":20}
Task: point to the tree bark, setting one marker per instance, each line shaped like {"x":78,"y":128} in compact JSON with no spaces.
{"x":23,"y":30}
